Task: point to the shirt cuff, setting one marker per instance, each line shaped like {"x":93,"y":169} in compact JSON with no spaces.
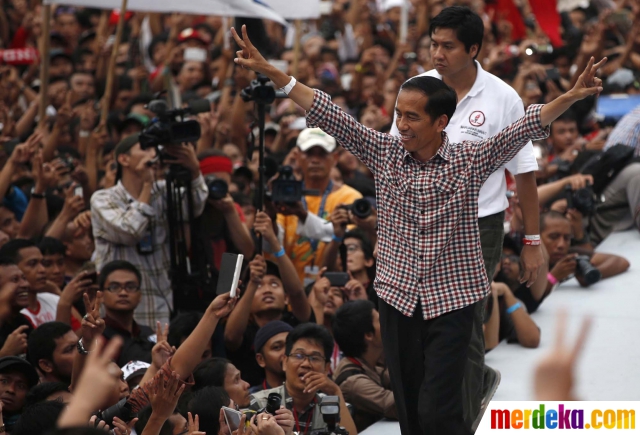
{"x":321,"y":103}
{"x":198,"y":182}
{"x":314,"y":228}
{"x":145,"y":209}
{"x":534,"y":123}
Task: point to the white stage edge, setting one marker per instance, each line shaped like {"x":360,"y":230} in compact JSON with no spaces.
{"x":608,"y":365}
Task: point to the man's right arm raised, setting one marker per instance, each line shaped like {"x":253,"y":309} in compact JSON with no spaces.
{"x":366,"y":144}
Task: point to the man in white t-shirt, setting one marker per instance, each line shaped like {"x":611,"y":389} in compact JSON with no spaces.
{"x":486,"y":105}
{"x":43,"y":305}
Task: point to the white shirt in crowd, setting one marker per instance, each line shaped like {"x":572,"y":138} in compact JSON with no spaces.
{"x":46,"y":311}
{"x":489,"y":107}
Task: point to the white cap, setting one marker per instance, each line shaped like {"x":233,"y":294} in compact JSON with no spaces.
{"x":311,"y":137}
{"x":133,"y":368}
{"x":269,"y":126}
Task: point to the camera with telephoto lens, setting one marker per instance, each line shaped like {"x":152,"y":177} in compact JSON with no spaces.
{"x":122,"y":410}
{"x":273,"y":404}
{"x":583,"y":200}
{"x":586,"y":270}
{"x":287,"y":189}
{"x":218,"y":188}
{"x":330,"y":410}
{"x":360,"y":208}
{"x":167,"y":130}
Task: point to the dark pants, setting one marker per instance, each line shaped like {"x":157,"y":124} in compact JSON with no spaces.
{"x":426,"y":361}
{"x":491,"y":237}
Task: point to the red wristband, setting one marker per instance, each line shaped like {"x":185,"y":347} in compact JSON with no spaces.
{"x":529,"y":242}
{"x":552,"y":279}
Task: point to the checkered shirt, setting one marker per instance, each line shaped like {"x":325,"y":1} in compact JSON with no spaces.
{"x":428,"y":241}
{"x":119,"y":222}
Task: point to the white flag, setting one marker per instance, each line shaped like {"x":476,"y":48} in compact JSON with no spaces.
{"x":228,"y":8}
{"x":298,"y":9}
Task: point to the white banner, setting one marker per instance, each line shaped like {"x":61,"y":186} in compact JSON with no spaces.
{"x":229,"y":8}
{"x":540,"y":417}
{"x":296,"y":9}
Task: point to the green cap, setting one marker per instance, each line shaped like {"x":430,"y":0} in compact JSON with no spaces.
{"x":142,"y":119}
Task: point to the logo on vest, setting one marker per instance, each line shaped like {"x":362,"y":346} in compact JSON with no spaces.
{"x":476,"y":118}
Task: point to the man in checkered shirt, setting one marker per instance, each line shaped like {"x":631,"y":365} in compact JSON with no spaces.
{"x":129,"y":222}
{"x":430,"y":268}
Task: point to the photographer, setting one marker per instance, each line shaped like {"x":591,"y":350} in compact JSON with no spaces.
{"x":306,"y":364}
{"x":130,"y":222}
{"x":567,"y":146}
{"x":306,"y":220}
{"x":556,"y":234}
{"x":222,"y":225}
{"x":620,"y":209}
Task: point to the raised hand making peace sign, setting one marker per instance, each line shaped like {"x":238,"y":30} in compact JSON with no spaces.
{"x":588,"y":84}
{"x":92,"y":324}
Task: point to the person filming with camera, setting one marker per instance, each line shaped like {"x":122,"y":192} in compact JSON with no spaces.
{"x":430,"y":274}
{"x":129,"y":221}
{"x":221,"y":227}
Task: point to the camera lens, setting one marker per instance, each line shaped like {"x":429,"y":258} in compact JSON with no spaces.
{"x":273,"y":403}
{"x":218,"y":189}
{"x":361,"y":208}
{"x":587,"y":271}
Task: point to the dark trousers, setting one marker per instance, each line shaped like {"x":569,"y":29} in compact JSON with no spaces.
{"x":426,"y":361}
{"x":491,"y":237}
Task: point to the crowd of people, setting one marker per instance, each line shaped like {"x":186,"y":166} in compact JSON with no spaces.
{"x":100,"y":331}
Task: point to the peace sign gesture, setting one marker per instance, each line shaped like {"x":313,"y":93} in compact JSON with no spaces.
{"x":92,"y":325}
{"x":554,"y":374}
{"x":162,"y":349}
{"x":249,"y":56}
{"x":588,"y":83}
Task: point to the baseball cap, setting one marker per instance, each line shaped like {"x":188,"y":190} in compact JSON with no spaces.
{"x":134,"y":368}
{"x":123,"y":146}
{"x":272,"y":269}
{"x":190,"y":33}
{"x":622,"y":77}
{"x":312,"y":137}
{"x":265,"y":333}
{"x":14,"y":363}
{"x":126,"y":144}
{"x":269,"y":127}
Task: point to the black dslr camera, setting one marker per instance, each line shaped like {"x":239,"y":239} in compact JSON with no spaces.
{"x":287,"y":189}
{"x":122,"y":410}
{"x":583,"y":200}
{"x":218,"y":189}
{"x":273,"y":404}
{"x":166,"y":130}
{"x":360,"y":208}
{"x":587,"y":271}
